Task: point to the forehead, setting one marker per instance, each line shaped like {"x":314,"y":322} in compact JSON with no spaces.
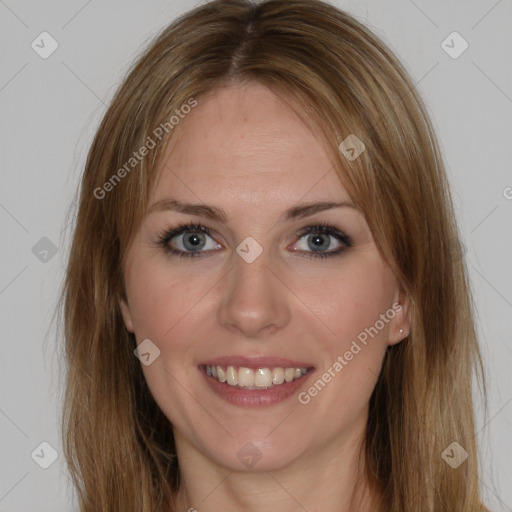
{"x":243,"y":142}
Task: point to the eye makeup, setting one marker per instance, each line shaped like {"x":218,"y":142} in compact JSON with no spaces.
{"x":200,"y":232}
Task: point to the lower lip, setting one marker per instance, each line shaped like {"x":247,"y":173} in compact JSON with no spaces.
{"x":254,"y":397}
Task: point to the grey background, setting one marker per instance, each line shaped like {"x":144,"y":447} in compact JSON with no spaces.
{"x":51,"y":107}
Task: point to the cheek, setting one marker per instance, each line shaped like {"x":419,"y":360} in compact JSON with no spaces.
{"x":350,"y":302}
{"x":165,"y":307}
{"x":162,"y":299}
{"x":339,"y":304}
{"x":350,"y":306}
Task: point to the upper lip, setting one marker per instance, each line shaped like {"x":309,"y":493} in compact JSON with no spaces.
{"x":257,"y":362}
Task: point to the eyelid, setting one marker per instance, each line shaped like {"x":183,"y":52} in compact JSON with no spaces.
{"x":171,"y":232}
{"x":327,"y":229}
{"x":168,"y":234}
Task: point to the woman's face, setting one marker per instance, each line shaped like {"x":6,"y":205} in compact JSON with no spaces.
{"x":264,"y":295}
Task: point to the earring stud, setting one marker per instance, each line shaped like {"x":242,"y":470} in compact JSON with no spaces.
{"x":401,"y":331}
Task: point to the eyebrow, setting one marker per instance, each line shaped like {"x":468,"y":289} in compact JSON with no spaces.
{"x":212,"y":212}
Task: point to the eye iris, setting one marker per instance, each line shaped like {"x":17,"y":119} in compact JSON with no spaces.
{"x":196,"y":238}
{"x":318,"y":242}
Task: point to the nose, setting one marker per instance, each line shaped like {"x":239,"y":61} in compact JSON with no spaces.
{"x":255,"y":302}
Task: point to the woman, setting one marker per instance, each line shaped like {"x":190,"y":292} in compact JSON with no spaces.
{"x":265,"y":302}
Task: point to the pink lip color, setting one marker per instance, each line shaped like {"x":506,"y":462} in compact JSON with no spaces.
{"x":254,"y":397}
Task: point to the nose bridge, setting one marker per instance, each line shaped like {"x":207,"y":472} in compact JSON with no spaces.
{"x":253,"y":300}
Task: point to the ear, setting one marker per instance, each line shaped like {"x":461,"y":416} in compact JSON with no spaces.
{"x":127,"y":316}
{"x":400,"y":325}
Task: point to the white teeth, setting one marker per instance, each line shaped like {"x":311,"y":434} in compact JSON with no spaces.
{"x":221,"y":374}
{"x":245,"y":377}
{"x":289,"y":374}
{"x":231,"y":376}
{"x":261,"y":378}
{"x":277,"y":376}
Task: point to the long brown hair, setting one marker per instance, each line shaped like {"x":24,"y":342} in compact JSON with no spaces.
{"x":343,"y":81}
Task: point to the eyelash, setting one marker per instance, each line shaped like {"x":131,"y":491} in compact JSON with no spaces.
{"x":324,"y":229}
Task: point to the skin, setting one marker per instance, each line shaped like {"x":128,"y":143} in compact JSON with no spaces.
{"x":243,"y":150}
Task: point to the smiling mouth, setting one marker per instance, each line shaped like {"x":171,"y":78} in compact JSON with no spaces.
{"x":242,"y":377}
